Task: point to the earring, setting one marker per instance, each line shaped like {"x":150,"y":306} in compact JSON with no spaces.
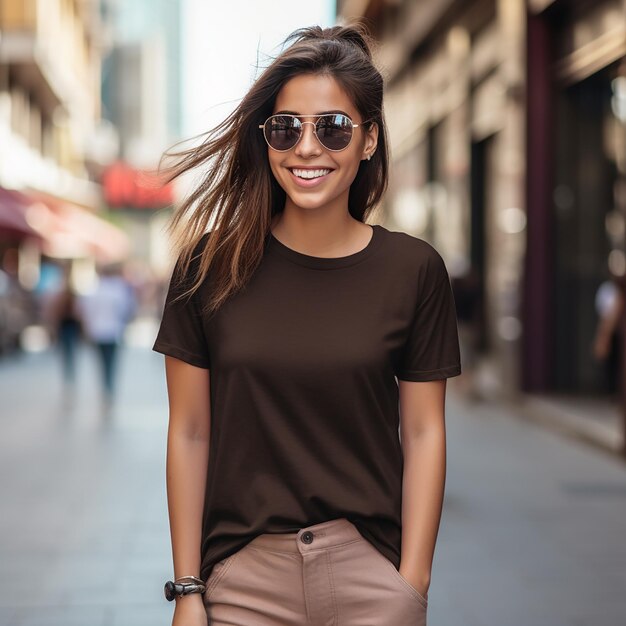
{"x":369,"y":156}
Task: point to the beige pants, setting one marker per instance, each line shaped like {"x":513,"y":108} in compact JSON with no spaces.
{"x":326,"y":574}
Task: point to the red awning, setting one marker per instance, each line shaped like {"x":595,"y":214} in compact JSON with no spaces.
{"x":70,"y":231}
{"x":14,"y":211}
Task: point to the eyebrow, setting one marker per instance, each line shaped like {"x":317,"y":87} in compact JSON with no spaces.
{"x":320,"y":113}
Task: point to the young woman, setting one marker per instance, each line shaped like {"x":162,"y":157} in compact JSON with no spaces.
{"x":299,"y":340}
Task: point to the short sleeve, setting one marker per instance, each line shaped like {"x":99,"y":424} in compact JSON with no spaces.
{"x":181,"y":331}
{"x":432,"y":349}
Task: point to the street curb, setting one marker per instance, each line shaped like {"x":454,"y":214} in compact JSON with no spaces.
{"x":559,"y":419}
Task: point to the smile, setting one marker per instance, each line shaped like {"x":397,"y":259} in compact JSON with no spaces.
{"x":310,"y":173}
{"x":309,"y":177}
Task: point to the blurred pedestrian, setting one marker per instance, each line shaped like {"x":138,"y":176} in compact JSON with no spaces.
{"x":66,"y":328}
{"x":608,"y":338}
{"x":306,"y":356}
{"x":105,"y":313}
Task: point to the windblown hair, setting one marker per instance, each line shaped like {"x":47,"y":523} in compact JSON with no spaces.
{"x":223,"y":224}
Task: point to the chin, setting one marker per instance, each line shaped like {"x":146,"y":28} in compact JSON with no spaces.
{"x":308,"y":198}
{"x":308,"y":204}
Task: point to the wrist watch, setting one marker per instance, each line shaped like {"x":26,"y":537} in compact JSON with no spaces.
{"x":183,"y":586}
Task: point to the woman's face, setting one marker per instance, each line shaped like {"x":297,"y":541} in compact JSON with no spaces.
{"x":308,"y":94}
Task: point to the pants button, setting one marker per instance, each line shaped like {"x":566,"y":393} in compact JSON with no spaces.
{"x":306,"y":537}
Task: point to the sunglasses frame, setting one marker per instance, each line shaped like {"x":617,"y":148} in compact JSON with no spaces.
{"x":318,"y":117}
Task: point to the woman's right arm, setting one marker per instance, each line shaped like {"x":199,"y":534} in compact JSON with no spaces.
{"x":187,"y":458}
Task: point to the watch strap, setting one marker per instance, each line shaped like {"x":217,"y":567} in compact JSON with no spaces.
{"x":174,"y":590}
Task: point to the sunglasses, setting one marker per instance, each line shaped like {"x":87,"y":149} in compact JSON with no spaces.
{"x":333,"y":130}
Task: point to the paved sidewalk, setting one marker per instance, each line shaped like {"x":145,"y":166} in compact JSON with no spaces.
{"x":84,"y":523}
{"x":532,"y":531}
{"x":596,"y":421}
{"x":533,"y":526}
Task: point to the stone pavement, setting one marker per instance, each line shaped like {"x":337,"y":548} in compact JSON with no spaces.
{"x":596,"y":420}
{"x":532,"y":532}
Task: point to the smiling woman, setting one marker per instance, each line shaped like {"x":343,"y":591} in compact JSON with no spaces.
{"x":287,"y":328}
{"x":327,"y":150}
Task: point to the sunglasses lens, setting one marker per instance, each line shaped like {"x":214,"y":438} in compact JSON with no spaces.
{"x":282,"y":132}
{"x":334,"y":131}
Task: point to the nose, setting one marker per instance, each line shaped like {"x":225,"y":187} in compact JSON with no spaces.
{"x":308,"y":144}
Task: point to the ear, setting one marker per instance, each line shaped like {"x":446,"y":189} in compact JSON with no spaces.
{"x":371,"y":141}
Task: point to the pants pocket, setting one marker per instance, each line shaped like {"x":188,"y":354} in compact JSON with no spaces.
{"x":399,"y":578}
{"x":422,"y":599}
{"x":218,"y":572}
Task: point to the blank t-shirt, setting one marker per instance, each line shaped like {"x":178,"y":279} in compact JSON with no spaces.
{"x":303,"y":391}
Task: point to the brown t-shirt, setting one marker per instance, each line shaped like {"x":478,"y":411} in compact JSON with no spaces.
{"x":304,"y":396}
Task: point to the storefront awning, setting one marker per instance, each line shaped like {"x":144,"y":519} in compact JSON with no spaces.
{"x":13,"y":216}
{"x":70,"y":231}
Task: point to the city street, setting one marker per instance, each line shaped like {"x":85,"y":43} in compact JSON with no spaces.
{"x":532,"y":532}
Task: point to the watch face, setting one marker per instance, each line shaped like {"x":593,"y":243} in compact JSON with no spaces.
{"x":170,"y":592}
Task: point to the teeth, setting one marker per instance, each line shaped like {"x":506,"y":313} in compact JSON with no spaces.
{"x":310,"y":173}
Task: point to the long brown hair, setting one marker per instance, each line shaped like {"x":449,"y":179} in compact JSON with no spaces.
{"x":238,"y":196}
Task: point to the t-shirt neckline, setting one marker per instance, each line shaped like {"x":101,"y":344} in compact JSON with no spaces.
{"x":327,"y":263}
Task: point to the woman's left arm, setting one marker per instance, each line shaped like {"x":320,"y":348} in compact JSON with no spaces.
{"x":423,"y":437}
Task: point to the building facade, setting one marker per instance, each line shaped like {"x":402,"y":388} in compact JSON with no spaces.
{"x":50,"y":55}
{"x":455,"y":75}
{"x":49,"y":95}
{"x":142,"y":91}
{"x":507,"y":121}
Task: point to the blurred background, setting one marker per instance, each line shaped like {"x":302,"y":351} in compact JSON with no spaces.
{"x":507,"y":123}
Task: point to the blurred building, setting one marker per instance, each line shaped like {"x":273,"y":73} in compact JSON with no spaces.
{"x":141,"y":95}
{"x":49,"y":94}
{"x":576,"y":183}
{"x":455,"y":74}
{"x":507,"y":123}
{"x":142,"y":76}
{"x":50,"y":54}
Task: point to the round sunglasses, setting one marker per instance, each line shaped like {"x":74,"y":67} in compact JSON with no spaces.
{"x":333,"y":130}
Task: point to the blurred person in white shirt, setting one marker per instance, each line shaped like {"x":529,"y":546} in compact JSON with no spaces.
{"x":608,"y":338}
{"x":105,"y":313}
